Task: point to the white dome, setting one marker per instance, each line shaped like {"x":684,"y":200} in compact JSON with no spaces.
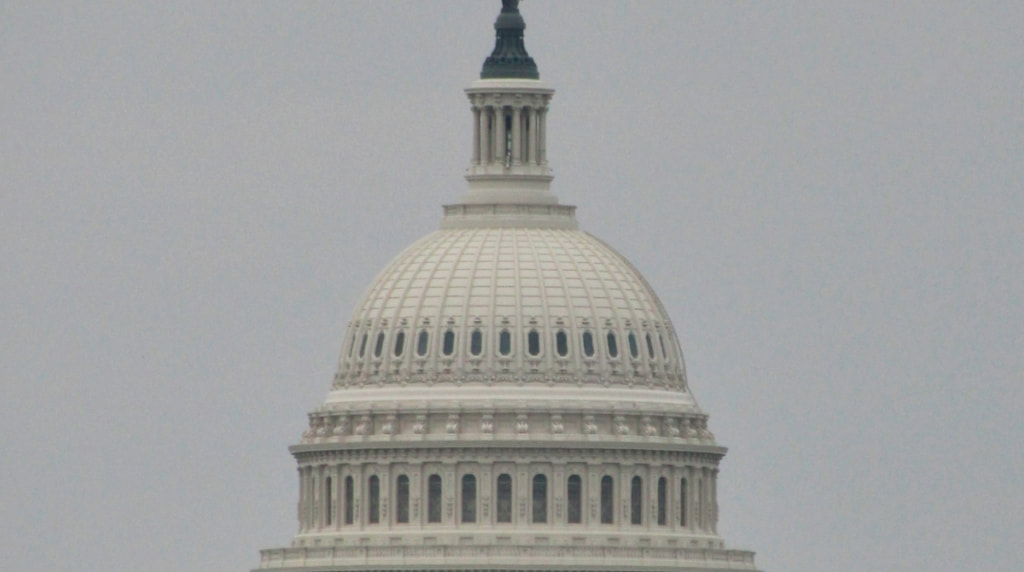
{"x":489,"y":305}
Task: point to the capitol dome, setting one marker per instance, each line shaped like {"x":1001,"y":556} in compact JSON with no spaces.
{"x":510,"y":392}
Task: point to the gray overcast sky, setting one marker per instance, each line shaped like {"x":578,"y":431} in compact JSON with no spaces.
{"x":827,"y":196}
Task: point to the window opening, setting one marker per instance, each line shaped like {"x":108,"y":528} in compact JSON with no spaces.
{"x":533,"y":343}
{"x":607,"y":496}
{"x":434,"y":498}
{"x":699,"y":519}
{"x":662,"y":501}
{"x":650,"y":346}
{"x":362,"y":346}
{"x":422,"y":343}
{"x":540,"y":498}
{"x":664,"y":352}
{"x":402,"y":500}
{"x":636,"y":500}
{"x":328,"y":501}
{"x":562,"y":343}
{"x":634,"y":351}
{"x":574,"y":491}
{"x":349,"y":498}
{"x":613,"y":346}
{"x":468,"y":498}
{"x":505,"y":343}
{"x":588,"y":344}
{"x":378,"y":349}
{"x":374,"y":509}
{"x":503,"y":509}
{"x":399,"y":344}
{"x":448,"y":344}
{"x":476,"y":343}
{"x":682,"y":502}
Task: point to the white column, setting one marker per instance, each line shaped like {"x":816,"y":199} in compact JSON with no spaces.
{"x":485,"y":135}
{"x":542,"y":134}
{"x":534,"y":135}
{"x":476,"y":135}
{"x":517,"y":135}
{"x":500,"y":147}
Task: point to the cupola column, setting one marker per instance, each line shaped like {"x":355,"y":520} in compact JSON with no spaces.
{"x":476,"y":134}
{"x":534,"y":134}
{"x":484,"y":135}
{"x":501,"y":142}
{"x":517,"y":135}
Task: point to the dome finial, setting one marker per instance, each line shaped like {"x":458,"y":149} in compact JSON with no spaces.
{"x":509,"y":58}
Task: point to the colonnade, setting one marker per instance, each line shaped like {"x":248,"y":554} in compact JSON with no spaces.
{"x":389,"y":496}
{"x":509,"y":134}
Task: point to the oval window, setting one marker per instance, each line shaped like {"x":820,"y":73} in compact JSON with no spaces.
{"x":505,"y":343}
{"x":422,"y":344}
{"x":448,"y":346}
{"x":650,"y":346}
{"x":613,"y":346}
{"x":562,"y":343}
{"x":476,"y":343}
{"x":362,"y":346}
{"x":634,"y":351}
{"x":533,"y":343}
{"x":664,"y":352}
{"x":588,"y":344}
{"x":399,"y":344}
{"x":378,"y":348}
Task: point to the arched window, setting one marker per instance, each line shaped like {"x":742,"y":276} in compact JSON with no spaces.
{"x":533,"y":343}
{"x":349,"y":500}
{"x":503,"y":506}
{"x":634,"y":351}
{"x":378,"y":348}
{"x":468,"y":498}
{"x":588,"y":344}
{"x":613,"y":346}
{"x":664,"y":351}
{"x":373,"y":516}
{"x":362,"y":345}
{"x":662,"y":501}
{"x":682,"y":502}
{"x":562,"y":343}
{"x":328,"y":501}
{"x":434,"y":498}
{"x":650,"y":346}
{"x":505,"y":343}
{"x":636,"y":501}
{"x":574,"y":490}
{"x":399,"y":344}
{"x":448,"y":344}
{"x":540,"y":498}
{"x":422,"y":344}
{"x":607,"y":499}
{"x":402,"y":500}
{"x":476,"y":343}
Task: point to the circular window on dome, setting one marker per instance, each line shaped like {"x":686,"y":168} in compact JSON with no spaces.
{"x":533,"y":343}
{"x":588,"y":343}
{"x":505,"y":343}
{"x":399,"y":344}
{"x":423,"y":343}
{"x":562,"y":343}
{"x":613,"y":345}
{"x":476,"y":343}
{"x":448,"y":343}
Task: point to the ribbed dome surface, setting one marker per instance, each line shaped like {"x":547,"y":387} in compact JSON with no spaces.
{"x":510,"y":306}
